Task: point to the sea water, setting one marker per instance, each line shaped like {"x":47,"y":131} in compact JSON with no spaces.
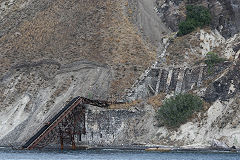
{"x":112,"y":154}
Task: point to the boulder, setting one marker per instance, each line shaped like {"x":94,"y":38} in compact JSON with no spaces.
{"x":216,"y":144}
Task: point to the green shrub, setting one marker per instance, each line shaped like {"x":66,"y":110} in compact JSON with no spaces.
{"x":197,"y":16}
{"x":200,"y":14}
{"x":212,"y":59}
{"x":186,"y":27}
{"x":178,"y":109}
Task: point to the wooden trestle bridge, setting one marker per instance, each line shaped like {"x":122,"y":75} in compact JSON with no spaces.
{"x":67,"y":123}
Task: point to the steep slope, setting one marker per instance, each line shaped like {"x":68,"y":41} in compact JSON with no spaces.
{"x":68,"y":31}
{"x":32,"y":96}
{"x":225,"y":14}
{"x":147,"y":20}
{"x":51,"y":51}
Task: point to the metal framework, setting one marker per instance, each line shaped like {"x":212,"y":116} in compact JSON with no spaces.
{"x":65,"y":124}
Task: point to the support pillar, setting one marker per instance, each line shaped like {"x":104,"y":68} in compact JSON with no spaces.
{"x":73,"y":142}
{"x":61,"y":140}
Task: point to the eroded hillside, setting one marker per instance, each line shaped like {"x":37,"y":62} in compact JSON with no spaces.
{"x":68,"y":31}
{"x":52,"y":51}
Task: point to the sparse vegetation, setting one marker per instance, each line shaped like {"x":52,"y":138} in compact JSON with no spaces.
{"x":178,"y":109}
{"x":156,"y":100}
{"x":197,"y":16}
{"x":126,"y":105}
{"x":46,"y":36}
{"x":212,"y":59}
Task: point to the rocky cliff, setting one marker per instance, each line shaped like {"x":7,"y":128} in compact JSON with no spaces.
{"x":52,"y":51}
{"x":225,"y":13}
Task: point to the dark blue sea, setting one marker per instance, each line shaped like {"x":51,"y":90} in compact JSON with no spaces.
{"x":112,"y":154}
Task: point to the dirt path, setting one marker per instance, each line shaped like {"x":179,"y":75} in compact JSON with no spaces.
{"x":149,"y":22}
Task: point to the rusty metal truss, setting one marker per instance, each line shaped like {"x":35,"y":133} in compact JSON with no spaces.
{"x":65,"y":124}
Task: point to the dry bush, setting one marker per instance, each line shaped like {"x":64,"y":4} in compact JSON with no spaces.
{"x":156,"y":101}
{"x":125,"y":105}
